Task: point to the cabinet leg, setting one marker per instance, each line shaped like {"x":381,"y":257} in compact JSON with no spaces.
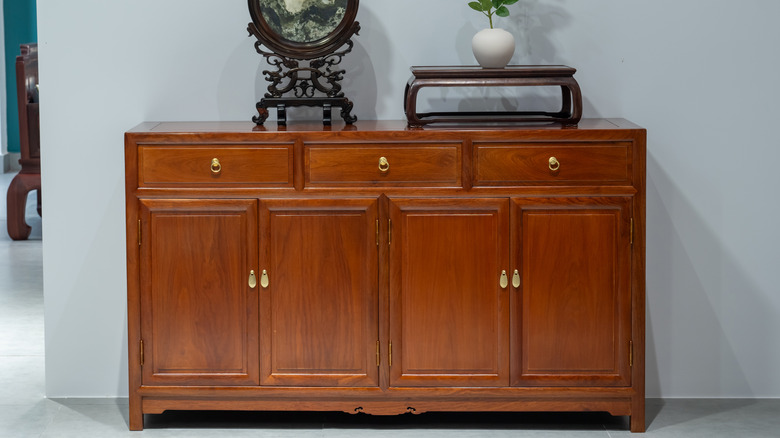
{"x":638,"y":415}
{"x":136,"y":413}
{"x":16,"y":202}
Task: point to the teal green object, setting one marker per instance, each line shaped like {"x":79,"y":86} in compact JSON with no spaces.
{"x":21,"y":26}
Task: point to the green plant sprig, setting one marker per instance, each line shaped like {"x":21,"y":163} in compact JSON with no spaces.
{"x":490,"y":7}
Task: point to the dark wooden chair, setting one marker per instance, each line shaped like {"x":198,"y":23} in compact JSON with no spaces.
{"x":29,"y":178}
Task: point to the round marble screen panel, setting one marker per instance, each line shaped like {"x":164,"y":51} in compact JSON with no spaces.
{"x":303,"y":21}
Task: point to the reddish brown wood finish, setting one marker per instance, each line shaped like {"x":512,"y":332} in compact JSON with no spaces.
{"x":512,"y":164}
{"x":572,"y":318}
{"x":192,"y":164}
{"x":319,"y":320}
{"x":406,"y":164}
{"x":29,"y":178}
{"x":412,"y":259}
{"x":202,"y":317}
{"x":449,"y":316}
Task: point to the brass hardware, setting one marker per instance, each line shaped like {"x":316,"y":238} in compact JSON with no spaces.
{"x":553,"y":164}
{"x":630,"y":353}
{"x":139,"y":232}
{"x":377,"y":353}
{"x":216,"y":167}
{"x":377,"y":232}
{"x":384,"y":165}
{"x":631,"y":232}
{"x":264,"y":279}
{"x":142,"y":352}
{"x":390,"y":352}
{"x":516,"y":279}
{"x":252,"y":280}
{"x":504,"y":280}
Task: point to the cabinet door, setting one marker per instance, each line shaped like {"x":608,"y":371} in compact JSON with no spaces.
{"x":319,"y":312}
{"x":198,"y":314}
{"x":449,"y":318}
{"x":571,"y":322}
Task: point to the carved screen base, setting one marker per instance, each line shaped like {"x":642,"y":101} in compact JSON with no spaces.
{"x":281,"y":104}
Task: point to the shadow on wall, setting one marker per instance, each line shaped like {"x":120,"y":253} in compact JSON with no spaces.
{"x":532,"y":23}
{"x":698,"y":328}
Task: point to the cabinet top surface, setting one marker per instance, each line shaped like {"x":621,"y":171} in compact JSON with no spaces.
{"x":372,"y":126}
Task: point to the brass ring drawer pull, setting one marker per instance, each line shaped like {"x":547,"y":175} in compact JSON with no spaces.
{"x":384,"y":165}
{"x":216,"y":167}
{"x":554,"y":164}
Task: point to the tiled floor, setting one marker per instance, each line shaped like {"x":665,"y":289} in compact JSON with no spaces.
{"x":25,"y":412}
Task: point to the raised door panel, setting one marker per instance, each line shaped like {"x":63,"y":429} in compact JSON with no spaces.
{"x":572,"y":312}
{"x":198,"y":314}
{"x":319,"y":323}
{"x":449,"y":319}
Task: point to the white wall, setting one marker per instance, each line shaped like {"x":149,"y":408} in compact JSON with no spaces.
{"x":697,"y":74}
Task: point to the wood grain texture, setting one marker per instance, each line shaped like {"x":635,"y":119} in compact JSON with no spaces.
{"x":391,"y":407}
{"x":191,"y":164}
{"x":319,"y":319}
{"x":638,"y":299}
{"x":573,"y":315}
{"x":319,"y":240}
{"x":517,"y":163}
{"x":449,"y":316}
{"x":29,"y":177}
{"x":200,"y":324}
{"x":408,"y":164}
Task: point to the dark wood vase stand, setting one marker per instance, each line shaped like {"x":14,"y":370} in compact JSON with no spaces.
{"x":511,"y":76}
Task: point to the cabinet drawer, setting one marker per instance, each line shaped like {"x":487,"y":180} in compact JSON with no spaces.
{"x":387,"y":164}
{"x":502,"y":164}
{"x":215,"y":165}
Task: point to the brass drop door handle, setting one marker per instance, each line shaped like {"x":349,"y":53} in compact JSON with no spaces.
{"x":516,"y":279}
{"x":504,"y":281}
{"x":252,"y":280}
{"x":264,"y":279}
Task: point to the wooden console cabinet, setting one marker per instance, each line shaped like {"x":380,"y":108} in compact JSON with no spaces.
{"x":385,"y":270}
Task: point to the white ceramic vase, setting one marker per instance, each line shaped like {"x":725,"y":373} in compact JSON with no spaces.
{"x":493,"y":48}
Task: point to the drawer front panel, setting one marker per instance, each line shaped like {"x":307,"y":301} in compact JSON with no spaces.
{"x":215,"y":165}
{"x":391,"y":164}
{"x":501,"y":164}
